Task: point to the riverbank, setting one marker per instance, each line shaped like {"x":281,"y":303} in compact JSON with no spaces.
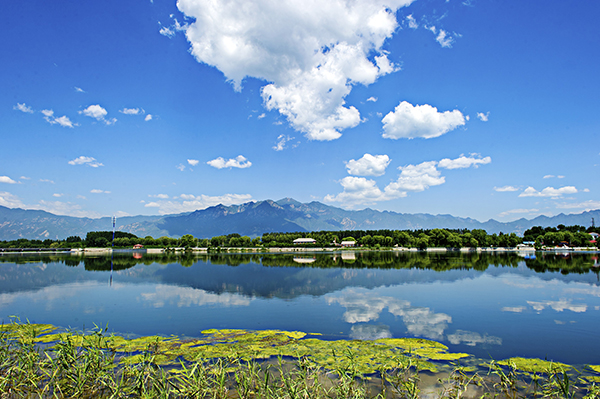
{"x":98,"y":251}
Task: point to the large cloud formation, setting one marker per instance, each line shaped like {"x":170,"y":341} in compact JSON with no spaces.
{"x":412,"y":178}
{"x":310,"y":52}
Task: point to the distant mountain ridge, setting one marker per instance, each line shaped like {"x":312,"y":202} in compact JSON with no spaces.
{"x":255,"y":218}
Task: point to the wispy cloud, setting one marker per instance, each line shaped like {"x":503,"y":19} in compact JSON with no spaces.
{"x":506,"y":189}
{"x":98,"y":191}
{"x":412,"y":22}
{"x":514,"y":309}
{"x":23,"y":108}
{"x":517,"y":211}
{"x":63,"y":121}
{"x":444,"y":38}
{"x":170,"y":31}
{"x":471,"y":338}
{"x":548,"y":192}
{"x":193,"y":162}
{"x":83,"y":160}
{"x":10,"y":200}
{"x":558,"y":306}
{"x":131,"y":111}
{"x":190,"y":202}
{"x":483,"y":117}
{"x":464,"y":162}
{"x":585,"y":205}
{"x":282,"y":140}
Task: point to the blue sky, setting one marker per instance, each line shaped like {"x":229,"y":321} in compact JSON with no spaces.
{"x":481,"y":108}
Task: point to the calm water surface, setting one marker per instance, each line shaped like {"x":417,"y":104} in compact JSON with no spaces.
{"x":488,"y":305}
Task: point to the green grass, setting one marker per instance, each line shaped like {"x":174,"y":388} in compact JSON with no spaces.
{"x":38,"y":362}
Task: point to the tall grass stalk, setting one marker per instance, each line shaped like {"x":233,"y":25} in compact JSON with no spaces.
{"x":85,"y":366}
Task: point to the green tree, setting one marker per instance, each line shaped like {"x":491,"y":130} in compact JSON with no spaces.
{"x":187,"y":241}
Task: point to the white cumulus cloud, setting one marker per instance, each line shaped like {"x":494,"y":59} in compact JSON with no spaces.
{"x":412,"y":178}
{"x":148,"y":118}
{"x":238,"y":162}
{"x":368,"y":165}
{"x":415,"y":178}
{"x":193,"y":162}
{"x":310,"y":52}
{"x":357,"y":191}
{"x":98,"y":113}
{"x":94,"y":111}
{"x":83,"y":160}
{"x":409,"y":121}
{"x":6,"y":179}
{"x":548,"y":192}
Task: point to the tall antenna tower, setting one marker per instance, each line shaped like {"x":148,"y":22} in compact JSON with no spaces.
{"x":114,"y":224}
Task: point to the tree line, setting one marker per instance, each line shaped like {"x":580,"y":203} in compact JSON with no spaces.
{"x":575,"y":236}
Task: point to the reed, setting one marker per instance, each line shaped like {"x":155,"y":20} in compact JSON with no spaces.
{"x":88,"y":366}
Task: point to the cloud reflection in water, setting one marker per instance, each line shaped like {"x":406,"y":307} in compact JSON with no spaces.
{"x":187,"y":296}
{"x":363,"y":307}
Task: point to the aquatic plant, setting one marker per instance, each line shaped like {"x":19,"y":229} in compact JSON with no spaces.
{"x":38,"y":360}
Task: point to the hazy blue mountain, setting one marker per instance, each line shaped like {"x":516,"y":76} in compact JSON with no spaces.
{"x":255,"y":218}
{"x":32,"y":224}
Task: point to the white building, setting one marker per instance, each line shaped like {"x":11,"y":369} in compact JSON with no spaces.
{"x":305,"y":241}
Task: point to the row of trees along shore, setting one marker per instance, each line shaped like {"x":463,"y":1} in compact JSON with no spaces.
{"x":574,"y":236}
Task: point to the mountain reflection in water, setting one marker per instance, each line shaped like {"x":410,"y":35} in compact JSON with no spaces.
{"x":495,"y":305}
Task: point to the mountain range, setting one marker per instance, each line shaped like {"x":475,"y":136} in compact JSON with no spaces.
{"x":255,"y":218}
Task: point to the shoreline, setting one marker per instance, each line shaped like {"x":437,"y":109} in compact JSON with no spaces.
{"x":233,"y":250}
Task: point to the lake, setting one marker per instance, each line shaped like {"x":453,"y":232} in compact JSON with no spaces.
{"x":490,"y":305}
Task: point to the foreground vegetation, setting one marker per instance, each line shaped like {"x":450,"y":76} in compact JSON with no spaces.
{"x":576,"y":236}
{"x":36,"y":361}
